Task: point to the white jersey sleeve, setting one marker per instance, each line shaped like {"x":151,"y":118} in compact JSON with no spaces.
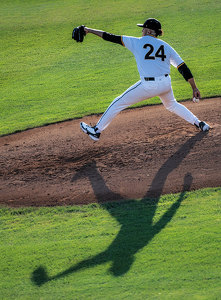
{"x":129,"y":42}
{"x":175,"y":59}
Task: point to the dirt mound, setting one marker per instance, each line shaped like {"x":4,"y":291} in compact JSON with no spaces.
{"x":145,"y":152}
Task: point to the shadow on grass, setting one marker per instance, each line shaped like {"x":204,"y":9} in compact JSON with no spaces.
{"x":135,"y":217}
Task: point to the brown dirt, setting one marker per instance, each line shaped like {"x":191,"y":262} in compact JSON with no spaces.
{"x":145,"y":152}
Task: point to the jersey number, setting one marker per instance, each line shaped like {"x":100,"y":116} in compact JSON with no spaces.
{"x":159,"y":53}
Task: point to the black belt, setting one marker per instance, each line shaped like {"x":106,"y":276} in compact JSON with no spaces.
{"x":152,"y":78}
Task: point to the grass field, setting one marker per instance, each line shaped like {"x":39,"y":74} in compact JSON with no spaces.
{"x":140,"y":249}
{"x":46,"y":77}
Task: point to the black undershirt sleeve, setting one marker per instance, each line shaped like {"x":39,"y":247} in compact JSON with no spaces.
{"x":185,"y":71}
{"x":112,"y":38}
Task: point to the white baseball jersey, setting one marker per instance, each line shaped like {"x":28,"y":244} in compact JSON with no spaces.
{"x":153,"y":56}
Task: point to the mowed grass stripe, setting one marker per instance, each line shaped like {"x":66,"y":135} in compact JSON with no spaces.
{"x":139,"y":249}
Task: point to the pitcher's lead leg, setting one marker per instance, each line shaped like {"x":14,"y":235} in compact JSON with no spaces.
{"x":131,"y":96}
{"x":134,"y":94}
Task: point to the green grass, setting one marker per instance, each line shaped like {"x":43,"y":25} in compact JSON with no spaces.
{"x":46,"y":77}
{"x":140,"y":249}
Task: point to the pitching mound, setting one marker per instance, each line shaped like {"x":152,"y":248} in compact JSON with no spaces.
{"x":145,"y":152}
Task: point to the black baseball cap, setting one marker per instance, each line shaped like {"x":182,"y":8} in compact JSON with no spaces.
{"x":151,"y":24}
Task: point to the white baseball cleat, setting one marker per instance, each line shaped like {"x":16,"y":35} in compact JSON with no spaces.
{"x":203,"y":126}
{"x":91,"y":131}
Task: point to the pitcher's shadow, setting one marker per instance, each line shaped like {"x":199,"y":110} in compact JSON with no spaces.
{"x":137,"y":228}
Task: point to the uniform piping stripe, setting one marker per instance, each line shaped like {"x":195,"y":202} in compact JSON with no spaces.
{"x":118,"y":100}
{"x":122,"y":40}
{"x":180,"y":65}
{"x":153,"y":36}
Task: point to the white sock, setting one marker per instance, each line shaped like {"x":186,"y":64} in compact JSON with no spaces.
{"x":197,"y":122}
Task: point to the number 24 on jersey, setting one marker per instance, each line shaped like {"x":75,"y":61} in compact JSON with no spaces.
{"x":159,"y":53}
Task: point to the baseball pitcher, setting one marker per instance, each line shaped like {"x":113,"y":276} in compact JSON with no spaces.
{"x":153,"y":57}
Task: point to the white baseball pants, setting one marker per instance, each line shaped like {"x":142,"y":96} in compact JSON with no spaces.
{"x":142,"y":90}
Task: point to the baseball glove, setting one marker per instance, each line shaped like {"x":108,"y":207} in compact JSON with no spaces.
{"x":78,"y":33}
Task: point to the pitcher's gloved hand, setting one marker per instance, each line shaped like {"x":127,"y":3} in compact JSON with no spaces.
{"x":78,"y":33}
